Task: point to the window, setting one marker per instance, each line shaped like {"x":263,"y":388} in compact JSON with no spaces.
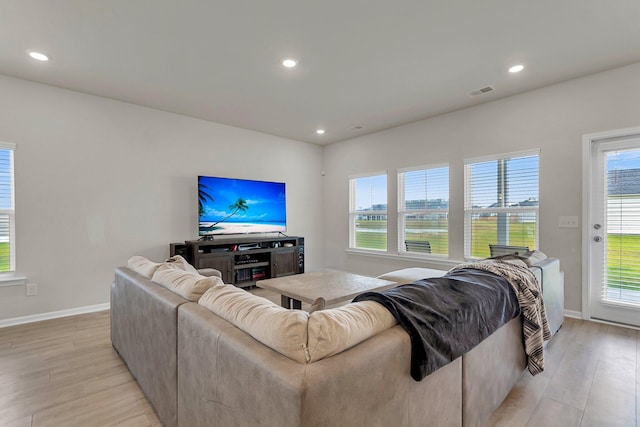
{"x":621,"y":281}
{"x":423,"y":210}
{"x":501,"y":203}
{"x":7,"y":213}
{"x":368,"y":212}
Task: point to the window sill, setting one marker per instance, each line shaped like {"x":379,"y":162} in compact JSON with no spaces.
{"x":12,"y":280}
{"x":428,"y":259}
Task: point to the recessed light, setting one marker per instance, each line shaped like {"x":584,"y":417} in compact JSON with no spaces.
{"x":289,"y":62}
{"x":516,"y":68}
{"x":38,"y":56}
{"x":320,"y":131}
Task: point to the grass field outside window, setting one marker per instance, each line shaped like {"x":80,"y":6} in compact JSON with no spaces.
{"x":434,"y":231}
{"x":4,"y":257}
{"x":484,"y":231}
{"x":623,"y":268}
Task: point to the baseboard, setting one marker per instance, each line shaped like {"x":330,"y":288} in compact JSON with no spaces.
{"x":574,"y":314}
{"x":622,"y":325}
{"x":53,"y":315}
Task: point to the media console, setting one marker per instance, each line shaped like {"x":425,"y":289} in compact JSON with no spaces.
{"x":242,"y":261}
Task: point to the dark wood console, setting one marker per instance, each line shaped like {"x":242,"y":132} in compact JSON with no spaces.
{"x":243,"y":261}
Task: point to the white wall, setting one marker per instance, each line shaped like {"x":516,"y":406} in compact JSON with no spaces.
{"x":98,"y":181}
{"x":552,"y":119}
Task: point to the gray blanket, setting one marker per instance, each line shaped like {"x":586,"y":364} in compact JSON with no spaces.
{"x":535,"y":328}
{"x":447,"y":316}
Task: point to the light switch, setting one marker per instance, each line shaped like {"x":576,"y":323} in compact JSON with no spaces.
{"x":568,"y":222}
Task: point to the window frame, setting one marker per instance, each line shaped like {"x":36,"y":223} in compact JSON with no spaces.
{"x":11,"y":212}
{"x":353,"y":213}
{"x":402,"y":211}
{"x":469,"y":211}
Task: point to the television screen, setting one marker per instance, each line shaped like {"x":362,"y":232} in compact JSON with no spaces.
{"x":234,"y":206}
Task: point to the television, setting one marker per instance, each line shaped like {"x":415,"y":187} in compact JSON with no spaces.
{"x":239,"y":206}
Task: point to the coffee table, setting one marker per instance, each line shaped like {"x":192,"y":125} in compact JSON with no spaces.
{"x":334,"y":286}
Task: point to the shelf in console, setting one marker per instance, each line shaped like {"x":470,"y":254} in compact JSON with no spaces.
{"x":250,"y":265}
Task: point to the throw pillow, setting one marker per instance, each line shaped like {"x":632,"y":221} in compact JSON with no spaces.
{"x":318,"y":304}
{"x":533,"y":257}
{"x":179,"y":262}
{"x":187,"y":285}
{"x":143,"y":266}
{"x":283,"y":330}
{"x":337,"y":329}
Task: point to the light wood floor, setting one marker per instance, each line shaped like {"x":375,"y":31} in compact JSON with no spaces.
{"x":64,"y":372}
{"x":591,"y":378}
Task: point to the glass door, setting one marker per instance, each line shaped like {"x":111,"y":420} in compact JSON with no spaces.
{"x":614,"y":261}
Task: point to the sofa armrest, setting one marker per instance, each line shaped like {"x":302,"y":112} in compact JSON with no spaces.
{"x":552,"y":282}
{"x":409,"y":275}
{"x":144,"y":318}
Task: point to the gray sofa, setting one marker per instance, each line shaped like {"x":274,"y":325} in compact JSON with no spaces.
{"x":144,"y":318}
{"x":199,"y":368}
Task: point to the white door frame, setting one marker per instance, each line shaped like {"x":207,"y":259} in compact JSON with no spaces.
{"x":587,"y":142}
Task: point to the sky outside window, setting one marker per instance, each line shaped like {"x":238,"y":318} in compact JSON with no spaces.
{"x":5,"y":180}
{"x":371,"y":191}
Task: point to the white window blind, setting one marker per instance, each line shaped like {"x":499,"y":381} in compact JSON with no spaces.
{"x":7,"y":210}
{"x":622,"y":276}
{"x":501,"y":203}
{"x":423,"y":210}
{"x":368,"y":212}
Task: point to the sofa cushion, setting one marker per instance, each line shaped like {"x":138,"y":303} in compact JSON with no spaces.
{"x":187,"y":285}
{"x":281,"y":329}
{"x":335,"y":330}
{"x":143,"y":266}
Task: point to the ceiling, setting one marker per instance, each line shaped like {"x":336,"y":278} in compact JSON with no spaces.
{"x":369,"y":63}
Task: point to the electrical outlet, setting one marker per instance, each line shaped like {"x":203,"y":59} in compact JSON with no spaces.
{"x":32,"y":289}
{"x":568,"y":222}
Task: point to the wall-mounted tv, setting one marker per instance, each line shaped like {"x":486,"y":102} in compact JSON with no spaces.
{"x":237,"y":206}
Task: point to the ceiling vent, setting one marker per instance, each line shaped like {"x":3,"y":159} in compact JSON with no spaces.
{"x":480,"y":91}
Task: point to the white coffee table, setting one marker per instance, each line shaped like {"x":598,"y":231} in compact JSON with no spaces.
{"x":334,"y":286}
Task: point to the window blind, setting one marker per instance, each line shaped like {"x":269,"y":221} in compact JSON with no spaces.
{"x":423,"y":215}
{"x":622,"y":276}
{"x":368,"y":212}
{"x":501,"y":203}
{"x":7,"y":214}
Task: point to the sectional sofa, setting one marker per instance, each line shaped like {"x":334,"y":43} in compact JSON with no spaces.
{"x":225,"y":357}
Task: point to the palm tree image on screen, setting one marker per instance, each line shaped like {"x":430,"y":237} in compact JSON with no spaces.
{"x":240,"y":205}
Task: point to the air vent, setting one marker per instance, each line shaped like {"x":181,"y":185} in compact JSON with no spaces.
{"x":480,"y":91}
